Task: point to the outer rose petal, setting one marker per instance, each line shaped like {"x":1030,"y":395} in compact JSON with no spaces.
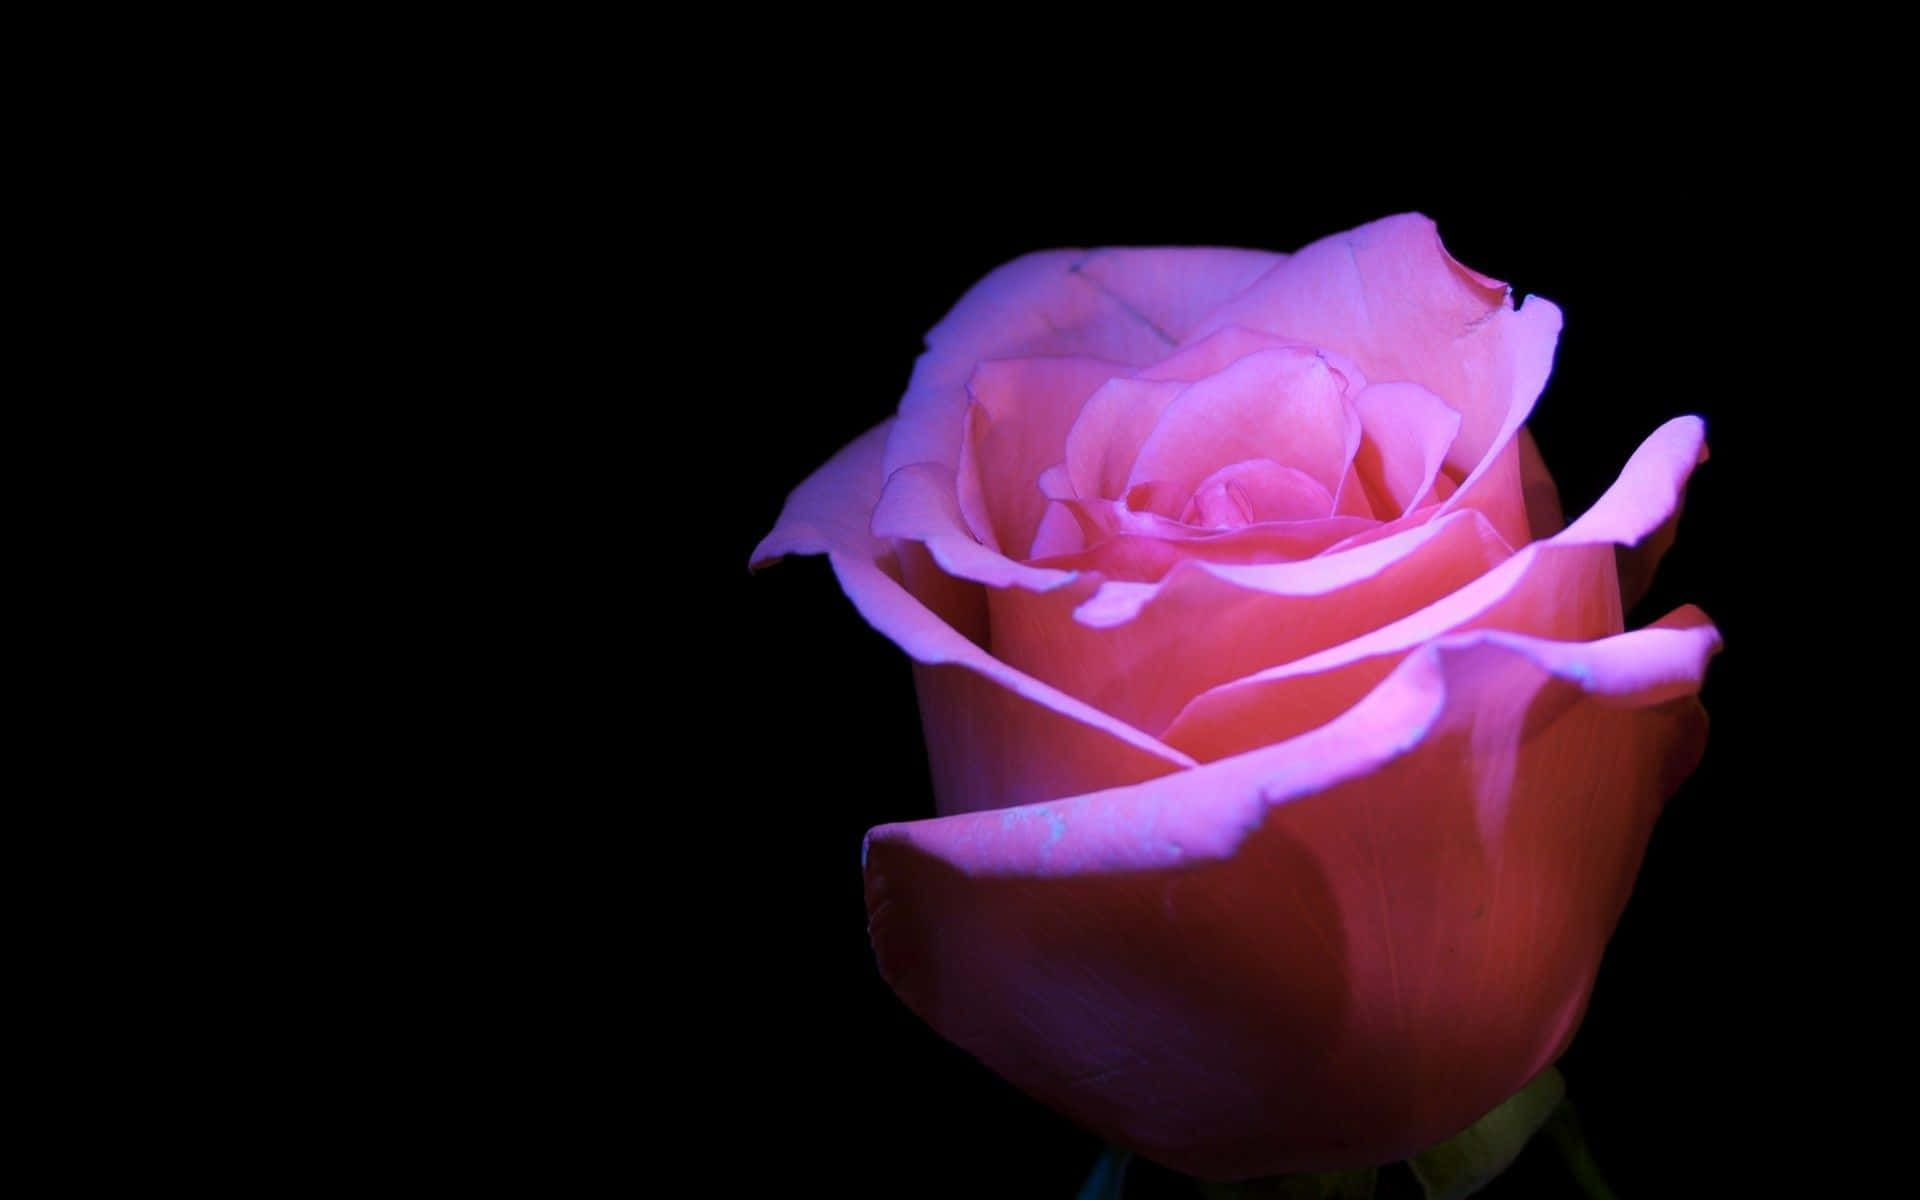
{"x":1565,"y":589}
{"x":983,"y":754}
{"x":1328,"y":953}
{"x":1175,"y":287}
{"x":1544,"y":516}
{"x":1121,"y":305}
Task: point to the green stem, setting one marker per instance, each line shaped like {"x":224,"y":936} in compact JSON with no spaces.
{"x":1564,"y":1131}
{"x":1109,"y":1177}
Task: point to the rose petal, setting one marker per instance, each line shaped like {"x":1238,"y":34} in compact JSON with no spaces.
{"x":1260,"y":489}
{"x":919,"y":504}
{"x":1390,"y":296}
{"x":1408,"y":431}
{"x":1496,"y":486}
{"x":1056,"y":302}
{"x":1544,"y":517}
{"x":1117,"y":603}
{"x":1022,"y":409}
{"x":1564,"y":589}
{"x":1286,"y":405}
{"x":1147,"y":557}
{"x":985,"y":749}
{"x":1223,"y":347}
{"x":1174,"y":288}
{"x":1644,"y":501}
{"x":1351,"y":500}
{"x":1203,"y":625}
{"x":1333,"y":951}
{"x":1560,"y":592}
{"x":1059,"y":533}
{"x":1110,"y":429}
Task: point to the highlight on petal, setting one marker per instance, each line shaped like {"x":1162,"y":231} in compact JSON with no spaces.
{"x":1562,"y":589}
{"x":918,"y":504}
{"x":830,"y":508}
{"x":984,"y":746}
{"x":1206,"y":624}
{"x":1117,"y":603}
{"x":1035,"y":305}
{"x":1333,"y":951}
{"x":1645,"y":495}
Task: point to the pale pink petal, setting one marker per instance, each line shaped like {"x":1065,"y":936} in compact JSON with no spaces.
{"x":1496,"y":486}
{"x":1175,"y":287}
{"x":1059,"y":533}
{"x":918,"y":504}
{"x":1008,"y":713}
{"x":1107,"y":436}
{"x":1333,"y":951}
{"x":1544,"y":517}
{"x":1390,"y":296}
{"x":1221,"y":504}
{"x":1055,"y":484}
{"x":1646,"y":494}
{"x":1117,"y":603}
{"x":1200,"y":626}
{"x":1123,"y":305}
{"x":1257,"y":490}
{"x":1560,"y":592}
{"x":1109,"y":431}
{"x":832,"y":508}
{"x":1287,"y":405}
{"x":1564,"y":589}
{"x":1408,"y":431}
{"x":1669,"y":457}
{"x":1225,"y":346}
{"x":1022,"y":409}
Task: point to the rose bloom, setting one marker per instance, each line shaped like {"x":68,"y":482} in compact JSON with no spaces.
{"x":1292,"y":760}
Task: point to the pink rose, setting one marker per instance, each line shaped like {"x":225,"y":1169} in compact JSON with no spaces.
{"x":1293,"y":762}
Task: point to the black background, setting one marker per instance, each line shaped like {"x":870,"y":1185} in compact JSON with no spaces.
{"x":1668,"y":278}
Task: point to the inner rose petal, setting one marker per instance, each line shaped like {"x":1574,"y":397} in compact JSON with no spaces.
{"x":1288,"y":405}
{"x":1108,"y":433}
{"x":1408,"y":432}
{"x":1258,"y":489}
{"x":1021,"y":412}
